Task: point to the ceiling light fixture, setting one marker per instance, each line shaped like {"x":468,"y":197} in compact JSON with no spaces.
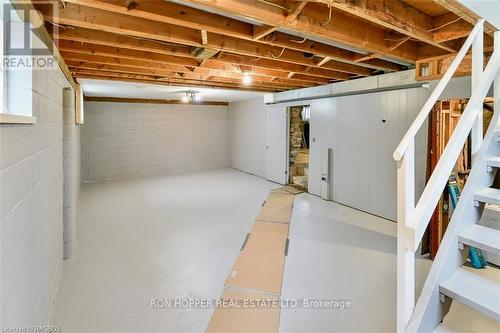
{"x":191,"y":96}
{"x":247,"y":78}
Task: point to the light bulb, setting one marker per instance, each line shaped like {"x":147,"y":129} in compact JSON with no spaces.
{"x":247,"y":79}
{"x":185,"y":99}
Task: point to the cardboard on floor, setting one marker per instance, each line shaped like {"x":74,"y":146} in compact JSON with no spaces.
{"x":260,"y":264}
{"x":262,"y":316}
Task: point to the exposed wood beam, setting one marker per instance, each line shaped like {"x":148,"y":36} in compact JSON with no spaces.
{"x":260,"y":31}
{"x":206,"y":76}
{"x":149,"y":101}
{"x":179,"y":64}
{"x":180,"y":84}
{"x":171,"y":80}
{"x":323,"y":50}
{"x":449,"y":27}
{"x":204,"y":37}
{"x":392,"y":14}
{"x":172,"y":13}
{"x":91,"y":18}
{"x":296,"y":11}
{"x":343,"y":29}
{"x":462,"y":11}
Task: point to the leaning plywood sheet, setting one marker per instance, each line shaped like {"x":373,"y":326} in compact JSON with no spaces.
{"x":238,"y":315}
{"x":260,"y":263}
{"x":277,"y":208}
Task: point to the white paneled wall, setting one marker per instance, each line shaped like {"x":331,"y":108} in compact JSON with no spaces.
{"x":363,"y":131}
{"x":128,"y":140}
{"x":31,"y":207}
{"x":247,"y":136}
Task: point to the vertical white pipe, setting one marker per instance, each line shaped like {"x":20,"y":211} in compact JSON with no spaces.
{"x":477,"y":72}
{"x":405,"y":258}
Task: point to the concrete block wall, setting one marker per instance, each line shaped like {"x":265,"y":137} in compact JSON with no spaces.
{"x":31,"y":207}
{"x":71,"y":165}
{"x":128,"y":140}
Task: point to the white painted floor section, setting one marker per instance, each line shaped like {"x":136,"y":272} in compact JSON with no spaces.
{"x":178,"y":237}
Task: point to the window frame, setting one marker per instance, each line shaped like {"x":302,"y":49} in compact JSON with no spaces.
{"x":5,"y":116}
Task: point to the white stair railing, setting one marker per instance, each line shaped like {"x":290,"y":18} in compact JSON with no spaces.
{"x":413,"y":219}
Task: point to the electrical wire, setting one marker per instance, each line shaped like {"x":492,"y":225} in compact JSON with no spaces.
{"x":444,"y":25}
{"x":279,"y":55}
{"x":299,"y":41}
{"x":329,"y":16}
{"x":275,"y":5}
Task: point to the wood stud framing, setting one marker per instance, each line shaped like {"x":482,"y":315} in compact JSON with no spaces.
{"x":212,"y":43}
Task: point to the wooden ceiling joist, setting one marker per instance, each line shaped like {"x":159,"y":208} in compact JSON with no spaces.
{"x":110,"y":69}
{"x":466,"y":14}
{"x":149,"y":101}
{"x":260,"y":31}
{"x":343,"y":29}
{"x":91,"y":18}
{"x":177,"y":83}
{"x":192,"y":18}
{"x":392,"y":14}
{"x":297,"y":8}
{"x":227,"y":83}
{"x":284,"y":44}
{"x":125,"y":53}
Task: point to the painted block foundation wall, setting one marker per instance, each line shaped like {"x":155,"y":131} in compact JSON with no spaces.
{"x":363,"y":131}
{"x":128,"y":140}
{"x":31,"y":206}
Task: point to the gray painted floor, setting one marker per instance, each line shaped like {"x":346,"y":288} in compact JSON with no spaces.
{"x":178,"y":237}
{"x":338,"y":253}
{"x":169,"y":237}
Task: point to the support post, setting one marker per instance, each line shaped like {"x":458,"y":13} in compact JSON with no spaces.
{"x":405,"y":257}
{"x":477,"y":72}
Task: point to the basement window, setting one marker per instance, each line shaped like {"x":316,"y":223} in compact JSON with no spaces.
{"x":16,"y":82}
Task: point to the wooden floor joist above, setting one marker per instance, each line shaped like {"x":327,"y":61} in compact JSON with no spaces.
{"x":150,"y":101}
{"x":281,"y":44}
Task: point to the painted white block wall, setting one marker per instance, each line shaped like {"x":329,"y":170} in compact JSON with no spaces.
{"x":247,"y":136}
{"x":127,"y":140}
{"x":31,"y":207}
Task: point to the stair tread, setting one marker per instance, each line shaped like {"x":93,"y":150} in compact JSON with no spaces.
{"x":477,"y":292}
{"x":494,"y":161}
{"x":484,"y":238}
{"x":488,"y":195}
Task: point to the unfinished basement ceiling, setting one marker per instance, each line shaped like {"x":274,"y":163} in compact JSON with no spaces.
{"x":281,"y":44}
{"x":103,"y":88}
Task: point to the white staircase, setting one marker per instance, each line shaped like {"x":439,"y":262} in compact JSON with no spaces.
{"x":448,"y":279}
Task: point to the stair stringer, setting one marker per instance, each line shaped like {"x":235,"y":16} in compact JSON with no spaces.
{"x":429,"y":312}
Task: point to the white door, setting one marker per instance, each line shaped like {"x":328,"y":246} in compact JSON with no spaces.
{"x":276,"y":137}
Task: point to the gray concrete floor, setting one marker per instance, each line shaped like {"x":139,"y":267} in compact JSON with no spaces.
{"x":178,"y":237}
